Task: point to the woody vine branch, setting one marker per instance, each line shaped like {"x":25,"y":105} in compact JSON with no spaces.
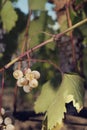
{"x":53,"y":38}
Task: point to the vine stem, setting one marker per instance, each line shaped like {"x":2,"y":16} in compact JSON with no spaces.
{"x":25,"y":41}
{"x":29,"y":51}
{"x":54,"y":37}
{"x":49,"y":62}
{"x":57,"y":36}
{"x":24,"y":48}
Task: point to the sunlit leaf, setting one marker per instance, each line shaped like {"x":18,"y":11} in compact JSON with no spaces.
{"x":71,"y":89}
{"x":58,"y":127}
{"x":63,"y":22}
{"x":37,"y":4}
{"x":46,"y":97}
{"x":39,"y":31}
{"x":50,"y":32}
{"x":36,"y":27}
{"x":8,"y":16}
{"x":44,"y":124}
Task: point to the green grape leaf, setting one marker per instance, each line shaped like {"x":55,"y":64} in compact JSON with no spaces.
{"x":37,"y":4}
{"x":8,"y":16}
{"x":83,"y":29}
{"x":46,"y":97}
{"x":53,"y":102}
{"x":71,"y":89}
{"x":36,"y":26}
{"x":63,"y":22}
{"x":35,"y":29}
{"x":49,"y":31}
{"x":51,"y":46}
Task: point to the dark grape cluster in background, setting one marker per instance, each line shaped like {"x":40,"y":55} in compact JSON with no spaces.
{"x":65,"y":53}
{"x":2,"y":44}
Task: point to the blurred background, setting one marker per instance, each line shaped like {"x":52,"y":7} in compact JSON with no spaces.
{"x":46,"y":18}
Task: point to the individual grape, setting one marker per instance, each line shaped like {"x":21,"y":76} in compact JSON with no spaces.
{"x":1,"y":36}
{"x":10,"y":127}
{"x":2,"y":48}
{"x":17,"y":74}
{"x":27,"y":71}
{"x":2,"y":111}
{"x":7,"y":120}
{"x":77,"y":56}
{"x":33,"y":83}
{"x":70,"y":60}
{"x":36,"y":74}
{"x":1,"y":120}
{"x":22,"y":81}
{"x":26,"y":88}
{"x":29,"y":76}
{"x":19,"y":83}
{"x":0,"y":31}
{"x":69,"y":48}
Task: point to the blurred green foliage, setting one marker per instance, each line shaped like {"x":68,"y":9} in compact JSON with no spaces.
{"x":15,"y":22}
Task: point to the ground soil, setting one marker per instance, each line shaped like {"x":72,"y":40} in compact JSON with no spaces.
{"x":75,"y":123}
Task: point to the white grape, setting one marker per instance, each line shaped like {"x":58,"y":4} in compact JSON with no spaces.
{"x":22,"y":81}
{"x":26,"y":88}
{"x":27,"y":71}
{"x":10,"y":127}
{"x":36,"y":74}
{"x":2,"y":111}
{"x":7,"y":120}
{"x":33,"y":83}
{"x":19,"y":83}
{"x":29,"y":76}
{"x":1,"y":120}
{"x":17,"y":74}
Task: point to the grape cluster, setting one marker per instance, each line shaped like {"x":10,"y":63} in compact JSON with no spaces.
{"x":65,"y":52}
{"x":27,"y":79}
{"x":2,"y":44}
{"x":5,"y":121}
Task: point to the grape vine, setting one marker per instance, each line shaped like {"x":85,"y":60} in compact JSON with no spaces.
{"x":65,"y":83}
